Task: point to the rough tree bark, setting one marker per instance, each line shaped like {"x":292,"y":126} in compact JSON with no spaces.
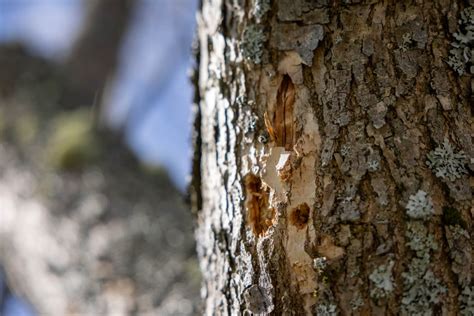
{"x":332,"y":167}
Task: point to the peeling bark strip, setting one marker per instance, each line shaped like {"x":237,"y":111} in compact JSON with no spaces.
{"x":281,"y":127}
{"x":361,"y":202}
{"x":283,"y":118}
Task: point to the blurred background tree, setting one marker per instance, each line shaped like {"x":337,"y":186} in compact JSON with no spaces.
{"x":90,"y":221}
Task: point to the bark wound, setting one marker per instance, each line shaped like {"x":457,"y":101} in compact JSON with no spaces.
{"x":299,"y":216}
{"x":259,"y":215}
{"x":282,"y":129}
{"x":288,"y":171}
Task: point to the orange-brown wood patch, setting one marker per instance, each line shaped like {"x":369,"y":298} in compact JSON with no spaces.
{"x":299,"y":216}
{"x":259,"y":216}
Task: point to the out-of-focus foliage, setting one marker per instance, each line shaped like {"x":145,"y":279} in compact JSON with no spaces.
{"x":72,"y":142}
{"x":105,"y":226}
{"x":110,"y":234}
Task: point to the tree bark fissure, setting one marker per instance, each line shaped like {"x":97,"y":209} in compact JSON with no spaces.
{"x":335,"y":171}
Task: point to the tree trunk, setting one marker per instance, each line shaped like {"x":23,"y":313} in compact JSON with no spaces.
{"x":332,"y":166}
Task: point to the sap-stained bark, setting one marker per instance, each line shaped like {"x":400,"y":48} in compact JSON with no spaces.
{"x":373,"y":96}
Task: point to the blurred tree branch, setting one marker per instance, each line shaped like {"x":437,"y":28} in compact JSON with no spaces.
{"x":94,"y":56}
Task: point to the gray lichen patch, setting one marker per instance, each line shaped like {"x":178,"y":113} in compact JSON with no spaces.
{"x":373,"y":165}
{"x":446,"y":163}
{"x":407,"y":42}
{"x":411,"y":40}
{"x":261,"y":8}
{"x":460,"y":252}
{"x":422,"y":289}
{"x":253,"y":42}
{"x":320,"y":264}
{"x":419,"y":240}
{"x":326,"y":309}
{"x":382,"y":280}
{"x":461,"y":57}
{"x":258,"y":300}
{"x":302,"y":39}
{"x":357,"y":302}
{"x":420,"y":206}
{"x":348,"y":210}
{"x":412,"y":35}
{"x":467,"y":301}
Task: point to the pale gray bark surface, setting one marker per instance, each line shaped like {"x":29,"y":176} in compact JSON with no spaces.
{"x":317,"y":182}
